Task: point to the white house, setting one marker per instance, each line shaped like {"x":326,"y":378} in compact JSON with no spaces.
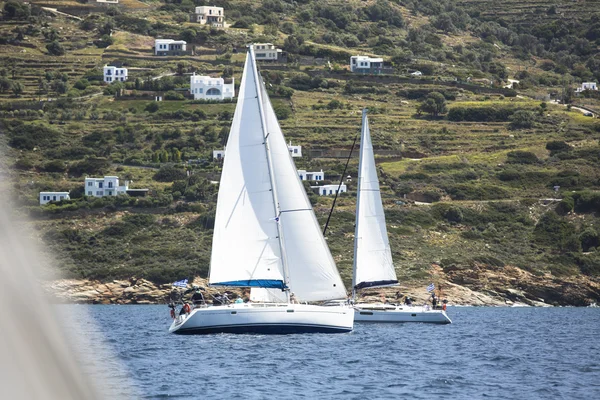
{"x":267,"y":52}
{"x":367,"y":65}
{"x":207,"y":88}
{"x":107,"y":186}
{"x":295,"y":150}
{"x":327,"y":190}
{"x":311,"y":176}
{"x":114,"y":74}
{"x":169,"y":47}
{"x":209,"y":15}
{"x":587,"y":86}
{"x":46,"y":197}
{"x":219,"y":154}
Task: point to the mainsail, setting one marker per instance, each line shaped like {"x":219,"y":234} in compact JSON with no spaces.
{"x":373,"y":265}
{"x":266,"y":233}
{"x":246,"y":249}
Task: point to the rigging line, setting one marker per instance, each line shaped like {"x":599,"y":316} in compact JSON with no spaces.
{"x":298,"y":209}
{"x":340,"y":185}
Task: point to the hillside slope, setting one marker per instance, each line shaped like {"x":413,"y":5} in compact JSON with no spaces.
{"x":510,"y":179}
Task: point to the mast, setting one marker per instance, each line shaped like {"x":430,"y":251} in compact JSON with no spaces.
{"x":276,"y":207}
{"x":360,"y":161}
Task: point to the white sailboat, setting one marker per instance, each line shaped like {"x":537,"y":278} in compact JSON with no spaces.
{"x":266,"y":234}
{"x":373,"y":264}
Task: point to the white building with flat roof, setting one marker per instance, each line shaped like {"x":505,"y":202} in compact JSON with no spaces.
{"x":329,"y":190}
{"x":107,"y":186}
{"x":267,"y":52}
{"x":213,"y":16}
{"x":219,"y":154}
{"x":169,"y":47}
{"x":207,"y":88}
{"x":311,"y":176}
{"x":295,"y":150}
{"x":114,"y":74}
{"x":366,"y":65}
{"x":587,"y":86}
{"x":46,"y":197}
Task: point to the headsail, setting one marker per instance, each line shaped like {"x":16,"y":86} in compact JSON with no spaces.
{"x":373,"y":265}
{"x":313,"y":275}
{"x":246,"y":249}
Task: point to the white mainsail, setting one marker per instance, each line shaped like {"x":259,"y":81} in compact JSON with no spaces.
{"x":373,"y":265}
{"x":266,"y":234}
{"x":313,"y":275}
{"x":246,"y":249}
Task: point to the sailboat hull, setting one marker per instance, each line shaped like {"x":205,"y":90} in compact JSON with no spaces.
{"x":265,"y":318}
{"x":387,"y":313}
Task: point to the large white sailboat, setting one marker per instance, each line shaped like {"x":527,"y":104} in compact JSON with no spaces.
{"x":373,"y":264}
{"x":266,"y":234}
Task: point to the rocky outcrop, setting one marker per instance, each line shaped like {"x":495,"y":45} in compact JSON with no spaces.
{"x":477,"y":285}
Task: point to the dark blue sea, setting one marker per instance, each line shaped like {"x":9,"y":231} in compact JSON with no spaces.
{"x":487,"y":353}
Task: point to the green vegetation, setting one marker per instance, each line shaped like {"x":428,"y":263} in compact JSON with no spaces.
{"x":485,"y":155}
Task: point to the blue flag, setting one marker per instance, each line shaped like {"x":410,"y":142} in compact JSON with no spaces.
{"x":182,"y":283}
{"x":431,"y":287}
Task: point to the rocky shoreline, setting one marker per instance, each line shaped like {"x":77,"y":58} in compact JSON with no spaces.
{"x":479,"y":285}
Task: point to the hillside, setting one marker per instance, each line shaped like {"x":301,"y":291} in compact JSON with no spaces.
{"x":510,"y":179}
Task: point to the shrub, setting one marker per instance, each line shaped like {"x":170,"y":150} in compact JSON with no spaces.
{"x":91,"y":166}
{"x":566,"y":205}
{"x":55,"y":166}
{"x":28,"y":136}
{"x":522,"y":119}
{"x":169,"y":173}
{"x":55,"y":48}
{"x":554,"y":231}
{"x":589,"y":239}
{"x":453,"y":214}
{"x":587,"y":201}
{"x":477,"y":192}
{"x":557,"y":145}
{"x":521,"y":157}
{"x":139,"y":220}
{"x":509,"y":175}
{"x":152,"y":107}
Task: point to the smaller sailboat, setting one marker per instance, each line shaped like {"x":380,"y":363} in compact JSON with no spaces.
{"x":373,"y":265}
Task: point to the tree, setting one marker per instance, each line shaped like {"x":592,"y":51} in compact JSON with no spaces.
{"x":59,"y":86}
{"x":521,"y":119}
{"x":82,"y":84}
{"x":292,"y":43}
{"x":176,"y":155}
{"x":16,"y":10}
{"x":4,"y":84}
{"x":189,"y":35}
{"x":434,"y":104}
{"x":17,"y":88}
{"x":444,"y":23}
{"x":55,"y":48}
{"x":589,"y":239}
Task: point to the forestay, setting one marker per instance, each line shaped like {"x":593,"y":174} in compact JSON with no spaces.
{"x":373,"y":265}
{"x":313,"y":275}
{"x":245,"y":248}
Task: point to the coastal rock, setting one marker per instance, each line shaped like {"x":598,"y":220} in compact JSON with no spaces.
{"x":479,"y":285}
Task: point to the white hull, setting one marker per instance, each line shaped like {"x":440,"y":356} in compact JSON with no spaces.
{"x":275,"y":318}
{"x":390,"y":313}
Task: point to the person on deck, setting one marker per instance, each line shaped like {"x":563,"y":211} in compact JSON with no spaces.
{"x":433,"y":300}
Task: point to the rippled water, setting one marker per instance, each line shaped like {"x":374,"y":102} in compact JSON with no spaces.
{"x":492,"y":353}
